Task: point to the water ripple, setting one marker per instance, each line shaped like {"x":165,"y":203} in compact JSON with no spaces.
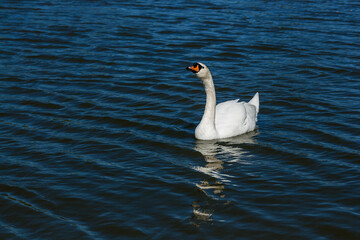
{"x":98,"y":113}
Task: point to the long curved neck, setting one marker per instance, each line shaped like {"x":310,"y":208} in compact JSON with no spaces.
{"x":209,"y":113}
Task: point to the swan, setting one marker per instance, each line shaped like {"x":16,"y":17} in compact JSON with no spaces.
{"x":227,"y":119}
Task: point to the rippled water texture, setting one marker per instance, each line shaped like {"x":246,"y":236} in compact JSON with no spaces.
{"x":98,"y":117}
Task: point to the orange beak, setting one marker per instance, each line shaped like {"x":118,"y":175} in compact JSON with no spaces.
{"x":193,"y":69}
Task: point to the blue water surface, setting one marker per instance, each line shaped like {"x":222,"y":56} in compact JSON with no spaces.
{"x":98,"y":116}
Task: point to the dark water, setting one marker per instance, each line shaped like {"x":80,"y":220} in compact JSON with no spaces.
{"x":98,"y":115}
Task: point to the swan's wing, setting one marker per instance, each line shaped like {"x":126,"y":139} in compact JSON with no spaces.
{"x":234,"y":118}
{"x":225,"y":109}
{"x":230,"y":115}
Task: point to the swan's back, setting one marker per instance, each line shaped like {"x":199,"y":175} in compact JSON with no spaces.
{"x":234,"y":118}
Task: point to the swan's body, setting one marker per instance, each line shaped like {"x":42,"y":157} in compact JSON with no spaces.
{"x":227,"y":119}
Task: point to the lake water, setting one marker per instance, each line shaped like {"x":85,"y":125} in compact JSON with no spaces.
{"x":98,"y":116}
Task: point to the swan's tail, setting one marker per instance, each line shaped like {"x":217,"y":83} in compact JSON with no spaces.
{"x":255,"y":101}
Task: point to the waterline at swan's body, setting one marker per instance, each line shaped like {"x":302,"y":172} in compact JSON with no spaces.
{"x":227,"y":119}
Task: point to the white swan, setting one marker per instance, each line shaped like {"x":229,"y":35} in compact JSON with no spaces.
{"x":227,"y":119}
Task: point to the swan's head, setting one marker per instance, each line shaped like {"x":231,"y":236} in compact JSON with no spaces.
{"x":200,"y":70}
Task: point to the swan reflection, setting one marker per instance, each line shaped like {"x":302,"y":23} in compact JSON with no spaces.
{"x":212,"y":187}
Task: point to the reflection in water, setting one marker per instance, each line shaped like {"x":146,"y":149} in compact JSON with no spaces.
{"x":213,"y":186}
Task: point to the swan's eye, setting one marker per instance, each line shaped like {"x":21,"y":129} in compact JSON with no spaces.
{"x":197,"y":66}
